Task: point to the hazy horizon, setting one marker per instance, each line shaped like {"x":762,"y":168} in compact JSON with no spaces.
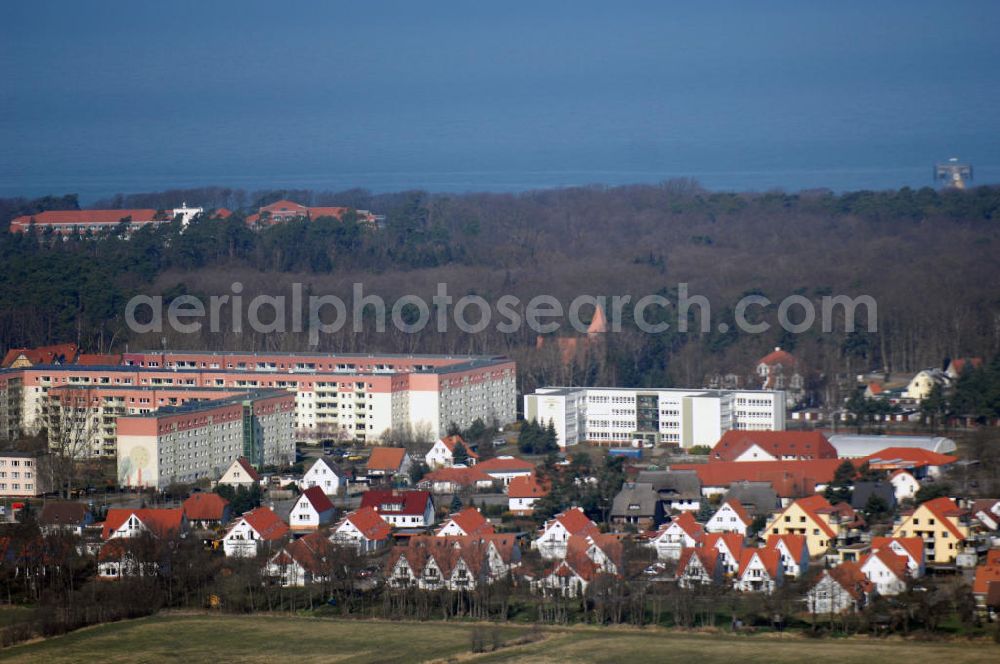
{"x":110,"y":97}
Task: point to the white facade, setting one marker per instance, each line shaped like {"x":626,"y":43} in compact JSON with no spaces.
{"x":321,"y":474}
{"x":673,"y":416}
{"x":726,"y":520}
{"x":884,"y":579}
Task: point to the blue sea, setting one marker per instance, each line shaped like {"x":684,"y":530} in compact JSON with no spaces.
{"x":108,"y":97}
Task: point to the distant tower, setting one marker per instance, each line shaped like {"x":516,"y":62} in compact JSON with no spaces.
{"x":952,"y":173}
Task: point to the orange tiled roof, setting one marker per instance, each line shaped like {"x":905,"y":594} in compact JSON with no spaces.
{"x":907,"y":457}
{"x":205,"y":507}
{"x":387,"y":459}
{"x":894,"y":563}
{"x":790,"y":479}
{"x":914,"y":546}
{"x":851,"y":578}
{"x":267,"y":524}
{"x":942,"y":508}
{"x":372,"y":526}
{"x":505,"y":465}
{"x":576,"y":522}
{"x":159,"y":522}
{"x":770,"y":558}
{"x":809,"y":444}
{"x":526,"y":486}
{"x":471,"y":521}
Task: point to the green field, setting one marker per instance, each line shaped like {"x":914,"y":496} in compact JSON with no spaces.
{"x":274,"y":638}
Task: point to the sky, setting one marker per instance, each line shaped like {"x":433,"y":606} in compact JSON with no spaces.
{"x":105,"y":96}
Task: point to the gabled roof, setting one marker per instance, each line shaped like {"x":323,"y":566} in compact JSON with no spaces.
{"x":789,"y":479}
{"x":737,"y":507}
{"x":319,"y":500}
{"x":505,"y":464}
{"x":851,"y":578}
{"x":386,"y":459}
{"x":708,"y":557}
{"x":779,"y":444}
{"x":986,"y":576}
{"x":958,"y":365}
{"x":205,"y":507}
{"x":405,"y":503}
{"x":159,"y":522}
{"x":329,"y":463}
{"x":247,"y":468}
{"x":794,"y":543}
{"x":54,"y":354}
{"x":893,"y":562}
{"x":943,"y":508}
{"x":312,"y":552}
{"x":770,"y":558}
{"x":635,"y":499}
{"x":63,"y":513}
{"x":574,"y":521}
{"x":451,"y":441}
{"x":914,"y":546}
{"x":372,"y":526}
{"x":471,"y":521}
{"x":778,"y":356}
{"x":266,"y":523}
{"x":526,"y":486}
{"x":812,"y":506}
{"x":687,"y":523}
{"x":732,"y":541}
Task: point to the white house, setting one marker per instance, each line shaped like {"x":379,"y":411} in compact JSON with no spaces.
{"x":729,"y":518}
{"x":467,"y":522}
{"x":555,"y":534}
{"x":886,"y":571}
{"x":793,"y":551}
{"x":506,"y":468}
{"x":240,"y":473}
{"x":522,"y":494}
{"x":325,"y":474}
{"x":364,"y":529}
{"x":442,"y":453}
{"x":401,"y":509}
{"x":904,"y":484}
{"x":306,"y":560}
{"x":760,"y":571}
{"x":681,"y":533}
{"x":255,"y":530}
{"x":910,"y":548}
{"x":698,"y":566}
{"x":312,"y":510}
{"x":839,"y":589}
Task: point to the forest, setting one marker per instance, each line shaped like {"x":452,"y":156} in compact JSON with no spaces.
{"x":928,"y":257}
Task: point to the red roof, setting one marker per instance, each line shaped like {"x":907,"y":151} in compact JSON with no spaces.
{"x":770,"y":558}
{"x":707,"y":557}
{"x":525,"y":486}
{"x":733,"y":542}
{"x":311,"y":552}
{"x":907,"y":457}
{"x":778,"y":356}
{"x":83,"y":218}
{"x":779,"y":444}
{"x":56,"y":353}
{"x":959,"y":363}
{"x":386,"y":459}
{"x":914,"y":546}
{"x":942,"y":508}
{"x":505,"y":464}
{"x":985,"y":576}
{"x":98,"y":360}
{"x":471,"y":521}
{"x":894,"y":563}
{"x":451,"y":441}
{"x":205,"y":507}
{"x":267,"y":524}
{"x":250,"y":471}
{"x":790,"y":479}
{"x":812,"y":506}
{"x":576,"y":522}
{"x":319,"y":500}
{"x":458,"y":475}
{"x":874,"y":388}
{"x":851,"y":578}
{"x":222,"y":213}
{"x":159,"y":522}
{"x":794,"y":543}
{"x":686,"y":522}
{"x":737,"y":507}
{"x":412,"y":503}
{"x":372,"y":526}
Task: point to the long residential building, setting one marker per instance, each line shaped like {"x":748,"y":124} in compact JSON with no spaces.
{"x":202,"y":438}
{"x":612,"y":415}
{"x":351,"y":396}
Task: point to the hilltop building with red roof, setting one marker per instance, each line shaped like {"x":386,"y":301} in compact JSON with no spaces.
{"x":387,"y":462}
{"x":284,"y":210}
{"x":772,"y":446}
{"x":129,"y":523}
{"x":780,"y":370}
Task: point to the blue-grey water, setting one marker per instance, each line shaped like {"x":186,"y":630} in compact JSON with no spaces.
{"x":104,"y":97}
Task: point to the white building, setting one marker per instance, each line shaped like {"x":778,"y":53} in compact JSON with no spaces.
{"x":325,"y":474}
{"x":610,"y":415}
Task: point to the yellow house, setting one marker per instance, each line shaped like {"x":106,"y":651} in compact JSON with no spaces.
{"x":923,"y":382}
{"x":942,"y":525}
{"x":813,"y":518}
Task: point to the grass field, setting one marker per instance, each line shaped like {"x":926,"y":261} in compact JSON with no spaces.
{"x":264,"y":639}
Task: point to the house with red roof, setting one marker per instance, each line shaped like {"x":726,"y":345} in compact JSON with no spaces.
{"x":363,"y":529}
{"x":789,"y":479}
{"x":385,"y":463}
{"x":523,"y":492}
{"x":326,"y":474}
{"x":986,"y":586}
{"x":72,"y":222}
{"x":312,"y":509}
{"x":401,"y":509}
{"x":442,"y":453}
{"x":467,"y":522}
{"x":673,"y":536}
{"x":587,"y":557}
{"x":206,"y":510}
{"x":98,"y":359}
{"x":284,"y":210}
{"x":130,"y":523}
{"x":303,"y":561}
{"x":453,"y":563}
{"x":760,"y":570}
{"x":815,"y":519}
{"x":18,"y":358}
{"x":739,"y":445}
{"x":987,"y":512}
{"x":120,"y":558}
{"x":839,"y":589}
{"x":780,"y":370}
{"x":886,"y":571}
{"x":730,"y":547}
{"x":698,"y":566}
{"x":910,"y":548}
{"x":455,"y":479}
{"x":555,"y":533}
{"x":943,"y":526}
{"x":919,"y":462}
{"x":257,"y":531}
{"x":793,"y":551}
{"x":506,"y":468}
{"x":240,"y":473}
{"x":731,"y":517}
